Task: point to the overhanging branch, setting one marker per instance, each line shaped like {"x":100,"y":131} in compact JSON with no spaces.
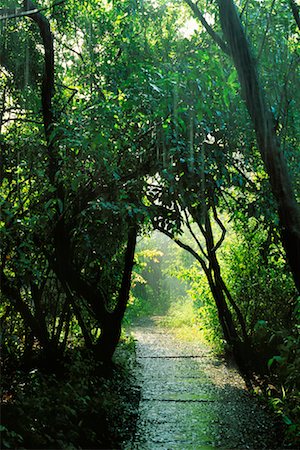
{"x":15,"y":13}
{"x":185,"y":247}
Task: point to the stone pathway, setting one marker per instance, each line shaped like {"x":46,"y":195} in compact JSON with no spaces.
{"x":192,"y":400}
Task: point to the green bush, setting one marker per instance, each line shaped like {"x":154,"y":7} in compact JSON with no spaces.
{"x":284,"y":387}
{"x":258,"y":278}
{"x":202,"y":307}
{"x":85,"y":405}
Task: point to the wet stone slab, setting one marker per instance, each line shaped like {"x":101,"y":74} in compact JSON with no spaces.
{"x":192,"y":400}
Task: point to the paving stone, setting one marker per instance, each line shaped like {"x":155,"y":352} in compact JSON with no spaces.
{"x":193,"y":400}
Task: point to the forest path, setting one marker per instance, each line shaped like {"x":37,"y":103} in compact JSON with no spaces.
{"x":193,"y":400}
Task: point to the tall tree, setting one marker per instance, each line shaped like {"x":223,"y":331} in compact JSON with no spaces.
{"x":81,"y":217}
{"x":238,"y":47}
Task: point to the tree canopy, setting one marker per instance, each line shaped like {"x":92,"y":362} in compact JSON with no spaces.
{"x":122,"y":117}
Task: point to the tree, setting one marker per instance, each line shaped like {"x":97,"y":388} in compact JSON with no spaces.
{"x":264,"y":125}
{"x":82,"y":219}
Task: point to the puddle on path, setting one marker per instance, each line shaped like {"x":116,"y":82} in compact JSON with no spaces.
{"x":192,"y":400}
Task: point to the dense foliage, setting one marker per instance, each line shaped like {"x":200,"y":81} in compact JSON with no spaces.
{"x":121,"y":117}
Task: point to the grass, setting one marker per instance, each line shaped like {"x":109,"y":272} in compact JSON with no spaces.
{"x":181,"y":319}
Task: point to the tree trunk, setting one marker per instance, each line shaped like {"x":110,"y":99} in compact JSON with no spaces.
{"x":240,"y":349}
{"x":109,"y":338}
{"x":267,"y":140}
{"x":12,"y":293}
{"x":111,"y":326}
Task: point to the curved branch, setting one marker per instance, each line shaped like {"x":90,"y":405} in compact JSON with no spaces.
{"x":127,"y":272}
{"x":185,"y":247}
{"x":15,"y":13}
{"x":223,"y":229}
{"x":48,"y":82}
{"x":48,"y":79}
{"x":236,"y":309}
{"x":193,"y":234}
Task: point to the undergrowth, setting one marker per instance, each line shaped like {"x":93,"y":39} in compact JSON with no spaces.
{"x":182,"y":320}
{"x":84,"y":405}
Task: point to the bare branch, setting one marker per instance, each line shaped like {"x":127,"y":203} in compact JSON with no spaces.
{"x":223,"y":229}
{"x":193,"y":234}
{"x":16,"y":13}
{"x":284,"y":102}
{"x":236,"y":309}
{"x":248,"y":180}
{"x":70,"y":48}
{"x":244,"y":8}
{"x":74,"y":92}
{"x":198,"y":14}
{"x":185,"y":247}
{"x":22,"y":119}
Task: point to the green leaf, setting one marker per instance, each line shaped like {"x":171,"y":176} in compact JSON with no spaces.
{"x":60,"y":205}
{"x":232,"y":77}
{"x":287,"y":420}
{"x":271,"y":361}
{"x":155,"y":88}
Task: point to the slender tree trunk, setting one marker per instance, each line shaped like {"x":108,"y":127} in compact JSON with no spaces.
{"x":240,"y":344}
{"x":12,"y":293}
{"x":240,"y":349}
{"x":220,"y":283}
{"x":267,"y":140}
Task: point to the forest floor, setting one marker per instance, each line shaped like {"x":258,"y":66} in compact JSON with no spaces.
{"x":79,"y":404}
{"x":190,"y":399}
